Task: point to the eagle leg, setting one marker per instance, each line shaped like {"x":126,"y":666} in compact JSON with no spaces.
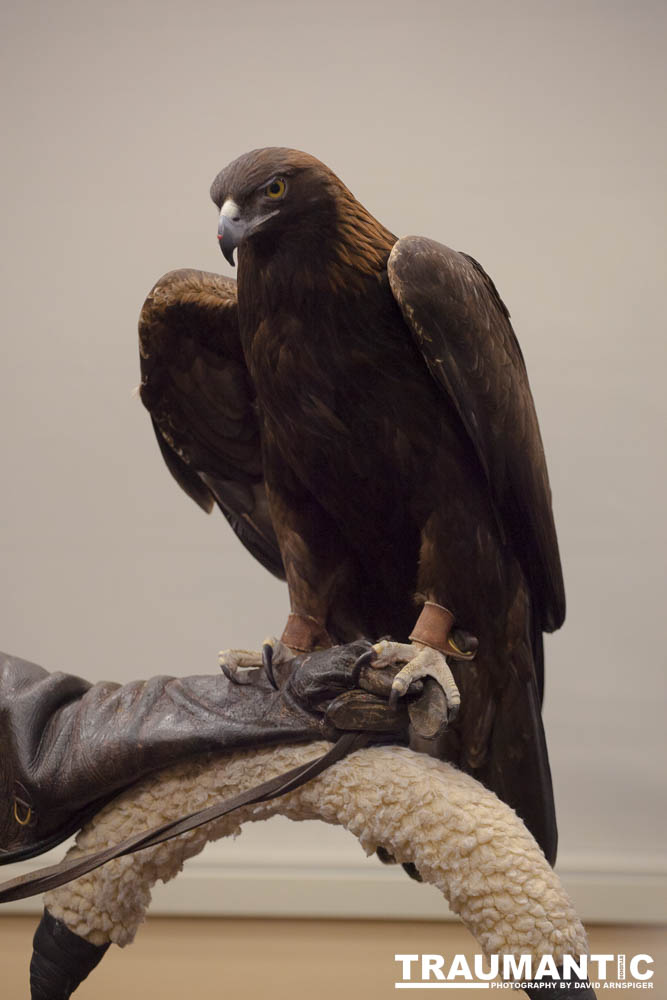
{"x":244,"y":666}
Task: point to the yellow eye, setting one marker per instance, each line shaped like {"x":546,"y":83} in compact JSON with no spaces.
{"x":276,"y":189}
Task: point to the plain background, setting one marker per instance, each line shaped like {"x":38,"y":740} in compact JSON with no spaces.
{"x":528,"y":134}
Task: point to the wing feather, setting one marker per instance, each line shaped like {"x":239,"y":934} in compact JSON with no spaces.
{"x":464,"y":332}
{"x":196,"y":387}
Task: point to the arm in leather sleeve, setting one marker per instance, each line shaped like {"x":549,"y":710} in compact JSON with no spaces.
{"x":68,"y":746}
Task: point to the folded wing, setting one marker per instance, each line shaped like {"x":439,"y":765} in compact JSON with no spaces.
{"x":196,"y":387}
{"x":464,"y":332}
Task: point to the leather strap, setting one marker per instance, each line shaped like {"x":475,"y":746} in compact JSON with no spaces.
{"x":433,"y":628}
{"x":45,"y":879}
{"x":303,"y":633}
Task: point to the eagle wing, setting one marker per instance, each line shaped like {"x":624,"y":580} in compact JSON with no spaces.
{"x":464,"y":332}
{"x":196,"y":387}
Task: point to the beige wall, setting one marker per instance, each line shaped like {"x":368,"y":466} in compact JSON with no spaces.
{"x":526,"y":133}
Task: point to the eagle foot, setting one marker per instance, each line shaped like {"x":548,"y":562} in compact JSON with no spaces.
{"x":244,"y":666}
{"x":421,"y":662}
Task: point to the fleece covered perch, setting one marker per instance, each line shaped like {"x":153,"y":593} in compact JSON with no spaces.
{"x":460,"y":836}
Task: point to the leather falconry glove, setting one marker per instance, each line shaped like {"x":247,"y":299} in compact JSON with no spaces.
{"x":68,"y":746}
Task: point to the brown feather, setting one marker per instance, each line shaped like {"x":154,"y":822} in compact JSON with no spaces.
{"x":195,"y":385}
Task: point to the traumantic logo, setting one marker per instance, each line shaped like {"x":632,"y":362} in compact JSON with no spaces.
{"x":510,"y":972}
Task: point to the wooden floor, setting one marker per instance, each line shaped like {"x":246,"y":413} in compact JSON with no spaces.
{"x":243,"y":959}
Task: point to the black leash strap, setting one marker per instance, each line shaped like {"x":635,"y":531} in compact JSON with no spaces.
{"x":45,"y":879}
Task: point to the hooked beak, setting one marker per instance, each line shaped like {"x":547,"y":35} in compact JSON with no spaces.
{"x":231,"y":229}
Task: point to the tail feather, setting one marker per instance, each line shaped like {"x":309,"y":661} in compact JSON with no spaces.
{"x":517,"y":768}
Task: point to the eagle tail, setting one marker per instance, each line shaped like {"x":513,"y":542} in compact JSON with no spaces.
{"x":517,"y":766}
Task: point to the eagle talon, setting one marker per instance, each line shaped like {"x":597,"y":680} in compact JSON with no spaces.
{"x":452,"y":712}
{"x":366,"y":659}
{"x":415,"y":688}
{"x":397,"y":691}
{"x":244,"y":666}
{"x":420,"y":662}
{"x":267,"y":664}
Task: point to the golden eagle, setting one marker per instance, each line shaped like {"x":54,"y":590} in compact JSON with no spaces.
{"x":358,"y":407}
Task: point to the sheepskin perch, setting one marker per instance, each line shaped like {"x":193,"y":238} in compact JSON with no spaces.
{"x":460,"y":836}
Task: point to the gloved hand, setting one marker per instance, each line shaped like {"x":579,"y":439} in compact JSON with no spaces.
{"x":68,"y":746}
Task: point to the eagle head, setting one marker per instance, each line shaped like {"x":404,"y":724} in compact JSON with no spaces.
{"x":267,"y":193}
{"x":282,"y":199}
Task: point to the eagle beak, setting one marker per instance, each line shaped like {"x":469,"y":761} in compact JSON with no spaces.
{"x":231,"y":229}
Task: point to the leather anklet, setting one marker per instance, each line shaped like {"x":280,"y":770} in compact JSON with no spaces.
{"x":433,"y":628}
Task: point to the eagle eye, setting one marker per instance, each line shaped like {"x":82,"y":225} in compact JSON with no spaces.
{"x":276,"y":188}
